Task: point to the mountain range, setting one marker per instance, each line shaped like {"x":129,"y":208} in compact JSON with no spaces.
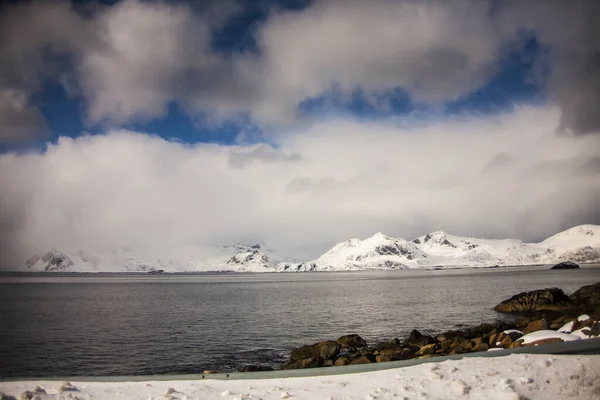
{"x":438,"y":249}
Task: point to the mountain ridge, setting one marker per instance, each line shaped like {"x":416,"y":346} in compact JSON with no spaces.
{"x":434,"y":250}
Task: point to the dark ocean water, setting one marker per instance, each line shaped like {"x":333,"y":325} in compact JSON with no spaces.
{"x":67,"y":325}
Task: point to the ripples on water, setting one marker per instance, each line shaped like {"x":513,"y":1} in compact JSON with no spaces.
{"x":61,"y":325}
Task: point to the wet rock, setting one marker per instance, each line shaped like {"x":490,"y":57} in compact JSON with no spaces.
{"x":352,"y":341}
{"x":328,"y":349}
{"x":416,"y":338}
{"x":566,"y":265}
{"x":256,"y":368}
{"x":536,"y":300}
{"x":534,"y":326}
{"x":310,"y":362}
{"x":304,"y":352}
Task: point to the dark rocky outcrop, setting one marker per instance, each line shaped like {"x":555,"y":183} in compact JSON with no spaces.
{"x":566,"y":265}
{"x":535,"y":300}
{"x":536,"y":310}
{"x":587,"y":295}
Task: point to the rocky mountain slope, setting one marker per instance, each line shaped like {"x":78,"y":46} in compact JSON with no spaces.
{"x":435,"y":250}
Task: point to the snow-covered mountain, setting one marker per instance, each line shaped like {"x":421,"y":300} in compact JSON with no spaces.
{"x":437,"y":249}
{"x":237,"y":258}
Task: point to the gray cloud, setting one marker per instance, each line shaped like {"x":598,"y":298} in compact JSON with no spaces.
{"x":19,"y":122}
{"x":130,"y":60}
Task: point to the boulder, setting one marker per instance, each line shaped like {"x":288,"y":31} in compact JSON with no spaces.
{"x":304,"y":352}
{"x":328,"y":349}
{"x":533,"y":326}
{"x":452,"y":336}
{"x":566,"y":265}
{"x":405,"y":354}
{"x":389,"y":348}
{"x":416,"y":338}
{"x":352,"y":341}
{"x":426,"y":350}
{"x":535,"y":300}
{"x":309,"y":362}
{"x":587,"y":295}
{"x":366,"y":358}
{"x":342,"y":360}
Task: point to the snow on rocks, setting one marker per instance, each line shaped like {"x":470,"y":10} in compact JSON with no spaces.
{"x":546,"y":336}
{"x":514,"y":376}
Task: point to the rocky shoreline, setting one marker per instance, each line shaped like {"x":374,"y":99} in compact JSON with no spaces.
{"x":542,"y":316}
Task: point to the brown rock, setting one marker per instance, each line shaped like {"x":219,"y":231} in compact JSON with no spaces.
{"x":362,"y":359}
{"x":481,"y":347}
{"x":304,"y":352}
{"x":328,"y":363}
{"x":352,"y":341}
{"x":427,"y":350}
{"x":534,"y":326}
{"x":407,"y":354}
{"x":342,"y":360}
{"x":328,"y":349}
{"x":536,"y":300}
{"x":310,"y":362}
{"x":416,"y":338}
{"x":389,"y":348}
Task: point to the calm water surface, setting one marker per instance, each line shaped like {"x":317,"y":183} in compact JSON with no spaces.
{"x":67,"y":325}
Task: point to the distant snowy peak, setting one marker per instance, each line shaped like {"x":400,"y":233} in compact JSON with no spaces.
{"x":51,"y":261}
{"x":580,"y":244}
{"x":236,"y":258}
{"x":440,"y":249}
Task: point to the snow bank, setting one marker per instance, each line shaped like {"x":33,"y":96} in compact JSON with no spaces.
{"x":515,"y":376}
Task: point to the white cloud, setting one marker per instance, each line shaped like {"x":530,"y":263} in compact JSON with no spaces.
{"x":337,"y":180}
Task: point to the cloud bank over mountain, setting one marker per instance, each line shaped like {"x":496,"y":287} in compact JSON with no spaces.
{"x":506,"y":176}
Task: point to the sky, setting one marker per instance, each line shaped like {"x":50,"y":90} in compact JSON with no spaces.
{"x":296,"y":124}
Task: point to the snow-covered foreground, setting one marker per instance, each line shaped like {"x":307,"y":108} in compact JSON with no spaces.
{"x":517,"y":376}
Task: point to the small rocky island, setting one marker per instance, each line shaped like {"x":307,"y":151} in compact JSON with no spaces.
{"x":542,"y":316}
{"x":566,"y":265}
